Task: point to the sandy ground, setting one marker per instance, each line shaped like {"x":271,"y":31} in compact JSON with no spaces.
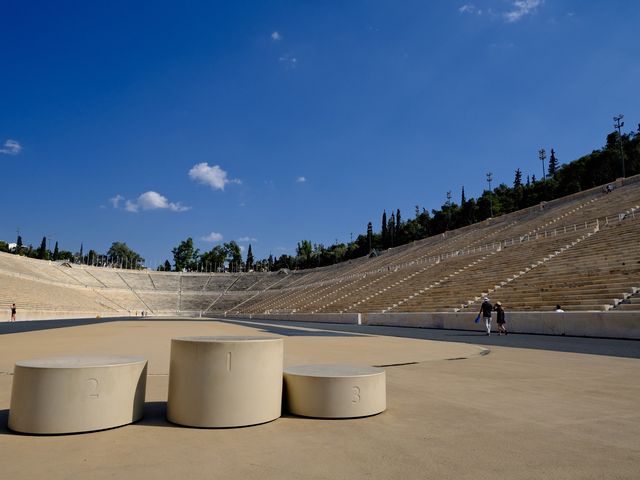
{"x":457,"y":413}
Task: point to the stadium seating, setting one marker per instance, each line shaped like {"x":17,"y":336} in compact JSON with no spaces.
{"x":580,"y":252}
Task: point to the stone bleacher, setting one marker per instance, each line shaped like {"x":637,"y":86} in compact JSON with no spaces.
{"x":580,"y":252}
{"x":36,"y":295}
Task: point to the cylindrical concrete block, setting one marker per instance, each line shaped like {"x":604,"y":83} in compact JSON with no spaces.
{"x":77,"y":394}
{"x":335,"y":391}
{"x":225,"y":381}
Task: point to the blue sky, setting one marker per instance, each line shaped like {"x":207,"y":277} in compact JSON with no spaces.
{"x":273,"y":122}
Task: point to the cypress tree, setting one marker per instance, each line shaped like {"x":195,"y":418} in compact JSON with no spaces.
{"x":517,"y":181}
{"x":384,"y":229}
{"x":249,"y":263}
{"x":391,"y":230}
{"x":463,"y":199}
{"x":370,"y":235}
{"x":56,"y":252}
{"x":553,"y":164}
{"x":42,"y":252}
{"x":398,"y":220}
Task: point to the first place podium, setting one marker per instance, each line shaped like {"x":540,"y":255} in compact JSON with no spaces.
{"x":219,"y":382}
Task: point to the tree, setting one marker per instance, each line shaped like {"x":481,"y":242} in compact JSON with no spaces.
{"x":65,"y":255}
{"x":18,"y":244}
{"x":463,"y":199}
{"x":80,"y":254}
{"x":304,"y":251}
{"x":370,"y":236}
{"x":92,"y":257}
{"x":284,"y":261}
{"x":249,"y":263}
{"x":42,"y":251}
{"x":214,"y":259}
{"x":391,"y":230}
{"x":121,"y":253}
{"x":234,"y":255}
{"x":518,"y":189}
{"x":185,"y":257}
{"x":384,"y":229}
{"x":167,"y":266}
{"x":517,"y":181}
{"x":553,"y":164}
{"x":56,"y":252}
{"x":4,"y":246}
{"x":270,"y":262}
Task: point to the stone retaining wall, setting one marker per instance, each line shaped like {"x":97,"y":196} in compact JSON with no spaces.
{"x":582,"y":324}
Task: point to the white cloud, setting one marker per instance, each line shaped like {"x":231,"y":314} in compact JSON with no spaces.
{"x":212,"y":237}
{"x":148,"y":201}
{"x":213,"y":176}
{"x":11,"y":147}
{"x":520,"y":8}
{"x":289,"y":61}
{"x":301,"y":179}
{"x":115,"y":201}
{"x":275,"y":36}
{"x":247,"y":239}
{"x":470,"y":8}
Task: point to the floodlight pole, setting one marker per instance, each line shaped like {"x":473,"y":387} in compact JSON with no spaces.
{"x":489,"y":178}
{"x":542,"y":155}
{"x":618,"y":124}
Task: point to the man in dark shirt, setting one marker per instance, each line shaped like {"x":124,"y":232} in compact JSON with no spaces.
{"x":485,"y":311}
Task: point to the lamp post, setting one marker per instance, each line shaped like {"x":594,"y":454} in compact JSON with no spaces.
{"x":489,"y":178}
{"x":542,"y":155}
{"x":618,"y":124}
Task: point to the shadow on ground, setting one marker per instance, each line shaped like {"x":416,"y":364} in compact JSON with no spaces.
{"x":35,"y":325}
{"x":277,"y":329}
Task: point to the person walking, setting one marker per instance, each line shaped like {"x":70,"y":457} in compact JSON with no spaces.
{"x":485,"y":310}
{"x":13,"y":312}
{"x":500,"y":320}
